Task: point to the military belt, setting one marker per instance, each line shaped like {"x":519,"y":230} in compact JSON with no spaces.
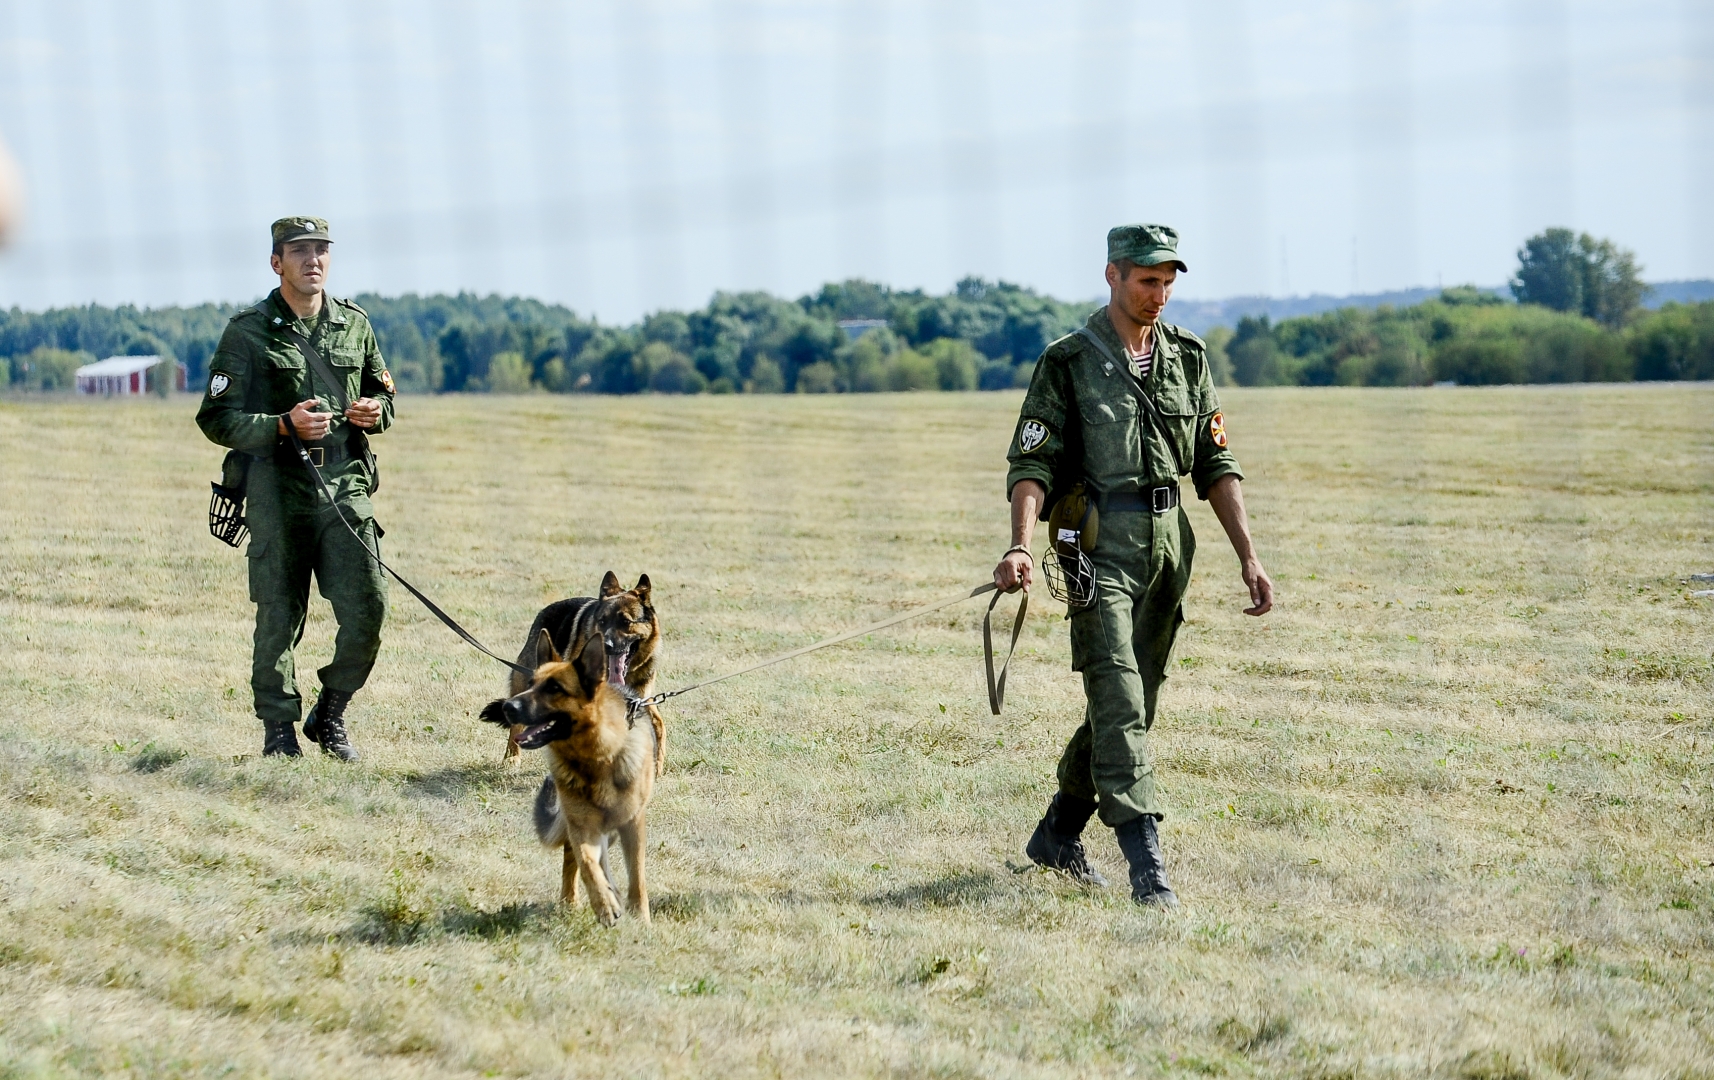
{"x":1155,"y":500}
{"x":319,"y":456}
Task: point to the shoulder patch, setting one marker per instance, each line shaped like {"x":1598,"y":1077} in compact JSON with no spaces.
{"x":218,"y":384}
{"x":1217,"y":429}
{"x":387,"y":381}
{"x":1031,"y":434}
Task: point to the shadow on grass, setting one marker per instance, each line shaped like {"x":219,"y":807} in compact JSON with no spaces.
{"x":689,"y":906}
{"x":457,"y":781}
{"x":952,"y":890}
{"x":155,"y":758}
{"x":398,"y":921}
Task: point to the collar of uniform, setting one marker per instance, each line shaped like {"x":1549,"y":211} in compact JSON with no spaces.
{"x":1165,"y":351}
{"x":281,"y":314}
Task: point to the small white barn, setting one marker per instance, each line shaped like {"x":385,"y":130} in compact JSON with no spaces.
{"x":123,"y":375}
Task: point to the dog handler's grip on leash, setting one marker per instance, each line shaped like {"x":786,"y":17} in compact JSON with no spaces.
{"x":1016,"y":569}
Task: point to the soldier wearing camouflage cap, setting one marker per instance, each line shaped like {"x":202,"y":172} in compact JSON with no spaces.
{"x":302,"y":360}
{"x":1125,"y":405}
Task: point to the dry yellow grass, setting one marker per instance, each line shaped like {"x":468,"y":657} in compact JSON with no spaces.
{"x":1445,"y":812}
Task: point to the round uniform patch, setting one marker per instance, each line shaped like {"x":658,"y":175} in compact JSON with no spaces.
{"x":218,"y":384}
{"x":1031,"y":435}
{"x":1217,"y":429}
{"x":387,"y":380}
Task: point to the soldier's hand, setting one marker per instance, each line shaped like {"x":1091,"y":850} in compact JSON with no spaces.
{"x":306,"y":421}
{"x":1016,"y":571}
{"x":364,"y":413}
{"x":1261,"y":589}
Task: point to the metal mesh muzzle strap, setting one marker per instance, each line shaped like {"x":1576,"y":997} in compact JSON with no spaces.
{"x":1070,"y":574}
{"x":226,"y":516}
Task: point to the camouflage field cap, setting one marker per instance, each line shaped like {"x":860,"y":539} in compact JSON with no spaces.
{"x":288,"y":229}
{"x":1145,"y":245}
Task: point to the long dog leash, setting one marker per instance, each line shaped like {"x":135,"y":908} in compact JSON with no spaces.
{"x":451,"y":623}
{"x":996,"y":687}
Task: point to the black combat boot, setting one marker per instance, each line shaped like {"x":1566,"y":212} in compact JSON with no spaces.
{"x":1140,"y":840}
{"x":1057,"y":844}
{"x":280,"y":739}
{"x":326,"y":724}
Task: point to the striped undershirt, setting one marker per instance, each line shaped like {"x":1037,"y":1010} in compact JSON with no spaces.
{"x":1140,"y":362}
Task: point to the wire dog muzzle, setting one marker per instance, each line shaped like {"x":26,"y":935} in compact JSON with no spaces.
{"x":226,"y":515}
{"x":1073,"y":527}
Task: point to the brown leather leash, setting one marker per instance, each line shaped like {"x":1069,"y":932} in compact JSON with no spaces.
{"x":996,"y":686}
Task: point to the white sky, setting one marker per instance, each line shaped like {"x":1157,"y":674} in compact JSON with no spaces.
{"x":632,"y":155}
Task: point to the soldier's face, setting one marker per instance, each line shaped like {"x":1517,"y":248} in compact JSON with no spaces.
{"x":1143,"y":295}
{"x":302,"y":265}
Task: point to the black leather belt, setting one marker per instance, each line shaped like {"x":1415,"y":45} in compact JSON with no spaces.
{"x":319,"y":456}
{"x":1157,"y":500}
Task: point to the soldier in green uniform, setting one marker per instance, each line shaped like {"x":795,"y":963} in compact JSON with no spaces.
{"x":1126,"y":405}
{"x":260,"y":381}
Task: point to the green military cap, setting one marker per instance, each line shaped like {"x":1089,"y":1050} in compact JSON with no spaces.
{"x":288,"y":229}
{"x":1145,"y":245}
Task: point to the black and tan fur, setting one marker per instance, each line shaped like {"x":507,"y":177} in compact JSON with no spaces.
{"x":615,"y":636}
{"x":601,"y":773}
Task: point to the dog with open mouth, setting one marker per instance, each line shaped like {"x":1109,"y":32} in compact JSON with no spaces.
{"x":615,"y":636}
{"x":601,"y":772}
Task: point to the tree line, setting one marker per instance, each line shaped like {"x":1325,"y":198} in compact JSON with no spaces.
{"x":1575,"y":316}
{"x":981,"y":336}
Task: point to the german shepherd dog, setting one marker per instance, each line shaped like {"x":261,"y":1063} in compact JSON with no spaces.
{"x":601,"y":772}
{"x":614,"y":636}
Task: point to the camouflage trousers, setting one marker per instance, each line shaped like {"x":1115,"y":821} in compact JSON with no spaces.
{"x":294,"y":534}
{"x":1121,"y":645}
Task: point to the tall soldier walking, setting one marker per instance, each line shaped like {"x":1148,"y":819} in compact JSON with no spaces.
{"x":303,"y":360}
{"x":1125,"y":405}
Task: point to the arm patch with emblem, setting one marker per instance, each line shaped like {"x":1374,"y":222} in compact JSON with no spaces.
{"x":1031,"y":435}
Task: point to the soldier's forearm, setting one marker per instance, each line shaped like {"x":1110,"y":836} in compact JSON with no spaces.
{"x":1227,"y":499}
{"x":1027,"y":499}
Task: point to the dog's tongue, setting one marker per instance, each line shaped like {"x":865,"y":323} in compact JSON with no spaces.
{"x":616,"y":668}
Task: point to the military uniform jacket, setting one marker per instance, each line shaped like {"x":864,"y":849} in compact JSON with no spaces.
{"x":257,"y":374}
{"x":1079,"y":420}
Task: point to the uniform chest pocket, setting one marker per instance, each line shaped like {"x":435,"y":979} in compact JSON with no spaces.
{"x":1105,"y":411}
{"x":283,"y":357}
{"x":1174,"y":401}
{"x":1112,"y":439}
{"x":1178,"y":421}
{"x":345,"y":357}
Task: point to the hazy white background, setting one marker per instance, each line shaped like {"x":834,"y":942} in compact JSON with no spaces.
{"x":630,"y":155}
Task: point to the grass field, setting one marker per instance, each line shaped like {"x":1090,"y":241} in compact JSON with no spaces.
{"x":1445,"y":812}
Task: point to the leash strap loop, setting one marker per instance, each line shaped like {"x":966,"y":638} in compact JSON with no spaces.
{"x":996,"y":690}
{"x":997,"y":687}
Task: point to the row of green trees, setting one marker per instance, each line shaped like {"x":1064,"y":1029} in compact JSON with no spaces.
{"x":1577,"y":318}
{"x":982,"y":335}
{"x":1471,"y":338}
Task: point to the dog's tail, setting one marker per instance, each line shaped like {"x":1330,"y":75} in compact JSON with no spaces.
{"x":491,"y":713}
{"x":550,"y":826}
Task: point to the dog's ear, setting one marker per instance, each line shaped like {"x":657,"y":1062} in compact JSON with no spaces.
{"x":591,"y":665}
{"x":642,"y":589}
{"x":491,"y":713}
{"x":610,"y":585}
{"x":545,"y":652}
